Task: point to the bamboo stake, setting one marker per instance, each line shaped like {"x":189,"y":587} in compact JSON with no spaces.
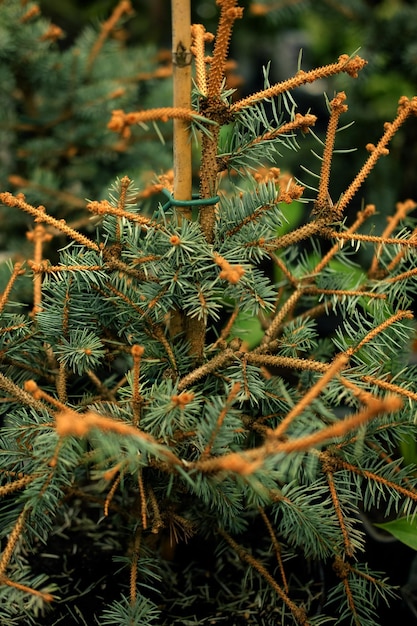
{"x":181,"y":57}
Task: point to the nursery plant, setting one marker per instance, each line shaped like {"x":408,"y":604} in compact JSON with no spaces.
{"x":207,"y":394}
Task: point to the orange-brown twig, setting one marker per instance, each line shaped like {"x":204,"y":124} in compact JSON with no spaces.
{"x":111,"y":493}
{"x":396,"y":317}
{"x":11,"y":541}
{"x":199,"y":38}
{"x":17,"y":271}
{"x":277,"y":548}
{"x":137,"y":400}
{"x":321,"y":205}
{"x":214,"y":364}
{"x":406,"y":108}
{"x":298,"y":612}
{"x":121,"y":121}
{"x":229,"y":13}
{"x":134,"y":565}
{"x":339,"y":512}
{"x":71,"y":423}
{"x":104,"y":207}
{"x":222,"y":415}
{"x":124,"y":6}
{"x":401,"y":211}
{"x":408,"y":493}
{"x":333,"y":370}
{"x":345,"y":64}
{"x":361,"y":217}
{"x":41,"y":216}
{"x":390,"y":404}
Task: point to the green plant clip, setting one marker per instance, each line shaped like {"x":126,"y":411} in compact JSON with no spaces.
{"x":196,"y":201}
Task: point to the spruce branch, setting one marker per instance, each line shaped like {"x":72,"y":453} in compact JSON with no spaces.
{"x":285,"y":362}
{"x":339,"y":363}
{"x":226,"y":330}
{"x":292,"y":192}
{"x":199,"y":38}
{"x":120,"y":121}
{"x":216,"y":111}
{"x":361,"y":217}
{"x":322,"y":206}
{"x":277,"y":548}
{"x":61,"y":382}
{"x":376,"y":478}
{"x":289,"y":239}
{"x":216,"y":362}
{"x":31,"y":13}
{"x":342,"y":570}
{"x":277,"y":321}
{"x":222,"y":415}
{"x":142,"y":499}
{"x":345,"y":64}
{"x":404,"y":276}
{"x":137,"y":399}
{"x":39,"y":394}
{"x":19,"y":394}
{"x":298,"y":613}
{"x":229,"y":13}
{"x":208,"y":182}
{"x":134,"y":566}
{"x":391,"y":387}
{"x":17,"y":271}
{"x":349,"y":548}
{"x":300,"y":122}
{"x":11,"y":543}
{"x":123,"y":7}
{"x":46,"y":597}
{"x":396,"y":317}
{"x":16,"y":485}
{"x":374,"y":408}
{"x":345,"y":236}
{"x":111,"y":493}
{"x":71,"y":423}
{"x":103,"y":390}
{"x":251,"y":461}
{"x":345,"y":292}
{"x":105,"y":208}
{"x":39,"y":236}
{"x":406,"y":108}
{"x":40,"y":215}
{"x":402,"y":209}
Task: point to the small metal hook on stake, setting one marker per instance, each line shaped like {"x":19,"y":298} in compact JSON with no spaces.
{"x":181,"y":57}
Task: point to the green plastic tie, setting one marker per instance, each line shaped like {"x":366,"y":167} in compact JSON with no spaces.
{"x":197,"y":201}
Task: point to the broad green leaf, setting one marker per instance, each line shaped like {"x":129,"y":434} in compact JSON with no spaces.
{"x":404,"y":529}
{"x":292,"y":214}
{"x":248,"y":328}
{"x":408,"y":449}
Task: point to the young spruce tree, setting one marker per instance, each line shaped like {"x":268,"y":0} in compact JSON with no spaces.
{"x":174,"y":407}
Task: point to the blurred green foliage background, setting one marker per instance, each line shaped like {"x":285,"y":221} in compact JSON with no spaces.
{"x":385,"y":32}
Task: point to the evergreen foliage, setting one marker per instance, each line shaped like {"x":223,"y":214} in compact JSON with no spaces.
{"x":221,"y":472}
{"x":56,"y":95}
